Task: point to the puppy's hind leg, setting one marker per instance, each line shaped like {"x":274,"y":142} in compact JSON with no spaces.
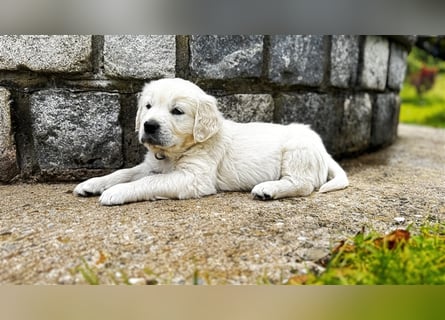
{"x":302,"y":171}
{"x":283,"y":188}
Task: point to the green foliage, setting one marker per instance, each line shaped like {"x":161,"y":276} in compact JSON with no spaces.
{"x":426,"y":107}
{"x":88,"y":273}
{"x":418,"y":58}
{"x":366,"y":259}
{"x":426,"y":110}
{"x":369,"y":260}
{"x":414,"y":62}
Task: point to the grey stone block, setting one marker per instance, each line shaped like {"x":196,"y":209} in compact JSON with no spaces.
{"x":321,"y":111}
{"x":247,"y":107}
{"x":45,"y":53}
{"x":355,"y":131}
{"x":397,"y":66}
{"x":385,"y":119}
{"x":297,"y":59}
{"x":375,"y":63}
{"x":406,"y":41}
{"x":134,"y":152}
{"x":344,"y":60}
{"x":141,"y":57}
{"x":225,"y":57}
{"x":8,"y":158}
{"x":76,"y":130}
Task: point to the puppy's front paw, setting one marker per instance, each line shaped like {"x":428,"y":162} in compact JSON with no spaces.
{"x":118,"y":194}
{"x":262,"y":192}
{"x":91,"y":187}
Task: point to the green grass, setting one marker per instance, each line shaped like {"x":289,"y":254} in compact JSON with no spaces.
{"x":374,"y":260}
{"x":88,"y":273}
{"x":366,"y":259}
{"x":428,"y":110}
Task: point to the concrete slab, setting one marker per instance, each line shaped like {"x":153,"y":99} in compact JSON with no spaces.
{"x":45,"y":232}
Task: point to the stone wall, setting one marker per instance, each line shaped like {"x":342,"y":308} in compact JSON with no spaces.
{"x":67,"y":103}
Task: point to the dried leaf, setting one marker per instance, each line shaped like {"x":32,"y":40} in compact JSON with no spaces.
{"x":323,"y":261}
{"x":63,"y":240}
{"x":343,"y":247}
{"x":298,"y":279}
{"x":394,"y":239}
{"x":102,"y":258}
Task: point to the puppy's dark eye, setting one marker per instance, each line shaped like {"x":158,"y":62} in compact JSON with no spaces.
{"x":177,"y":111}
{"x":148,"y":106}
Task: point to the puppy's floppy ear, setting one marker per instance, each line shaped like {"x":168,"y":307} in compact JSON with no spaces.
{"x":208,"y":119}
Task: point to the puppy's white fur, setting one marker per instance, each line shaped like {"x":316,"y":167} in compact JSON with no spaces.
{"x":194,"y":152}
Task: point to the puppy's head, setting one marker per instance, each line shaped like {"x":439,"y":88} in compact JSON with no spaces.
{"x":174,"y":114}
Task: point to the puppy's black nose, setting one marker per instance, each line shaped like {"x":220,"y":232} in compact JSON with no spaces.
{"x":151,"y":126}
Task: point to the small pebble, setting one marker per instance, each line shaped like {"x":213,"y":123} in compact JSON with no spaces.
{"x":136,"y":281}
{"x":399,"y":219}
{"x":66,"y":279}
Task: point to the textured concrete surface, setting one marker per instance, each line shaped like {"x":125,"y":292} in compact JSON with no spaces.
{"x":45,"y":231}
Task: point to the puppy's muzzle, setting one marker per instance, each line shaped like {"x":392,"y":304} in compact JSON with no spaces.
{"x":151,"y":133}
{"x":151,"y":127}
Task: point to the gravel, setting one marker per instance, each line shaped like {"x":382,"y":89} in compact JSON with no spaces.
{"x":49,"y":236}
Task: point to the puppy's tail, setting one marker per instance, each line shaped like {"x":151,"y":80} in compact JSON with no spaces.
{"x":338,"y":177}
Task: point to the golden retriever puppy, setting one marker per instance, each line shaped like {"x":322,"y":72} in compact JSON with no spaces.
{"x":193,"y":152}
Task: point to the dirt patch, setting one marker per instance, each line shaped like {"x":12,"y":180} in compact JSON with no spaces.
{"x":47,"y":235}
